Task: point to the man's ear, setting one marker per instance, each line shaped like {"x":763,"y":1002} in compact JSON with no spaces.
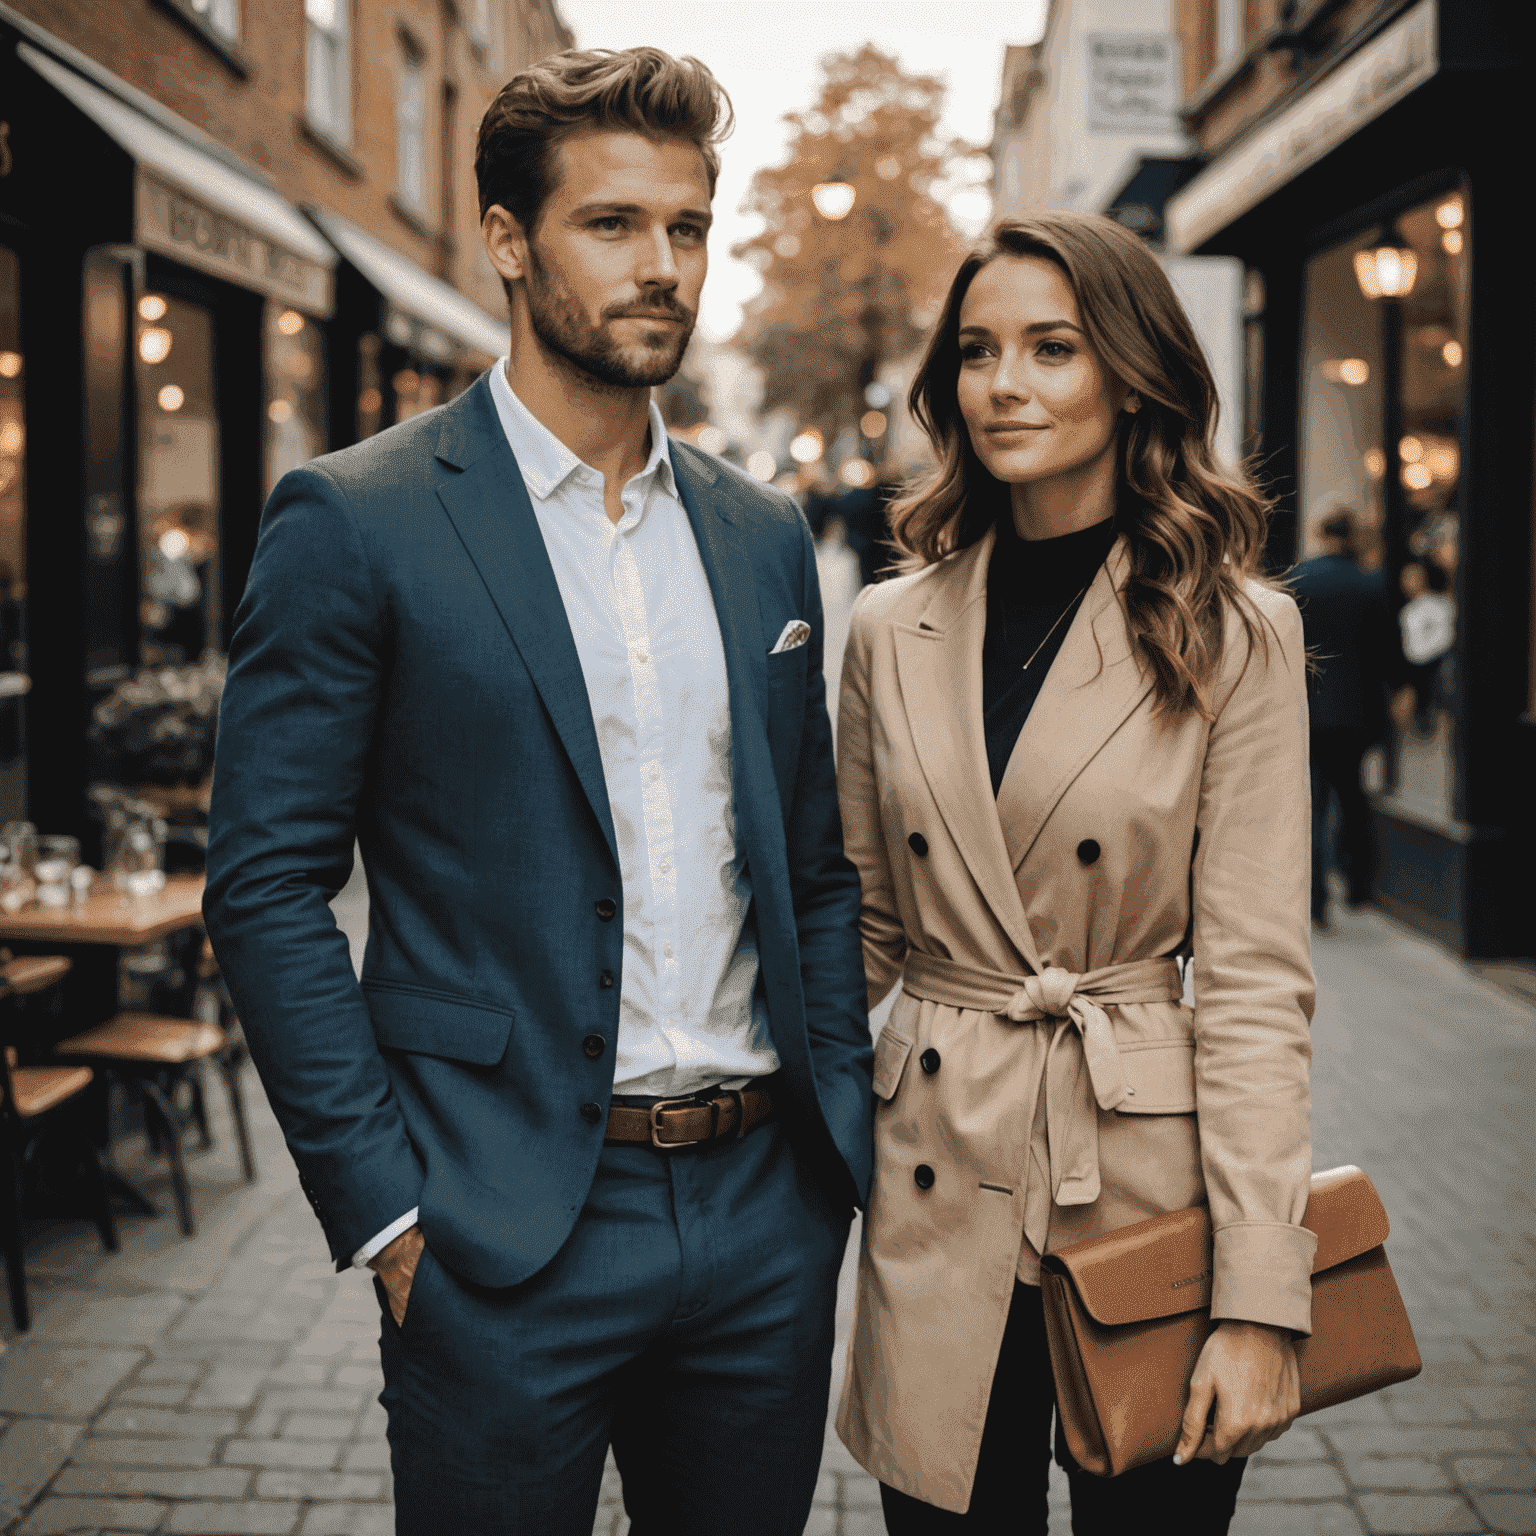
{"x":506,"y":244}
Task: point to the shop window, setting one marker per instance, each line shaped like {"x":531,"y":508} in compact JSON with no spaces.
{"x":14,"y":680}
{"x":1384,"y":370}
{"x":327,"y":69}
{"x":222,"y":15}
{"x":179,"y":605}
{"x":294,"y":360}
{"x":410,"y":131}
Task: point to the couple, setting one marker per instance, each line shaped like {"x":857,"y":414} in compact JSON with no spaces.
{"x":600,"y":1111}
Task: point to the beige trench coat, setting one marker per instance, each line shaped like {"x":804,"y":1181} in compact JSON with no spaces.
{"x":1116,"y":837}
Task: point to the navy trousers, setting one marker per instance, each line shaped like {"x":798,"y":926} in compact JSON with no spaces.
{"x":687,"y":1321}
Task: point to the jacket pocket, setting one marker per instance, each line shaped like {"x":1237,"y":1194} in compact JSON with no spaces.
{"x":430,"y":1024}
{"x":1161,"y":1076}
{"x":891,"y":1052}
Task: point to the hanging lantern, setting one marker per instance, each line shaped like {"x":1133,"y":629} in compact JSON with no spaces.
{"x":1388,"y":270}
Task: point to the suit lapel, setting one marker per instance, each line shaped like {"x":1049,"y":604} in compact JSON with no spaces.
{"x":939,"y":663}
{"x":488,"y":505}
{"x":1092,"y":686}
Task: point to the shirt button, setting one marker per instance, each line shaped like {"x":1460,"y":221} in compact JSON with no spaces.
{"x":591,"y":1113}
{"x":642,"y":657}
{"x":664,"y":867}
{"x":667,"y":951}
{"x":922,"y":1176}
{"x":592,"y":1046}
{"x":655,"y":772}
{"x":1088,"y":851}
{"x":929,"y":1061}
{"x":605,"y":908}
{"x":918,"y":844}
{"x":605,"y":980}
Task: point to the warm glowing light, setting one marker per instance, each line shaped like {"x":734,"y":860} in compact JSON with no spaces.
{"x":711,"y":439}
{"x":761,"y":465}
{"x":806,"y":447}
{"x":787,"y":246}
{"x":1416,"y":476}
{"x":1346,"y":370}
{"x":10,"y":364}
{"x":155,"y":344}
{"x":279,"y":411}
{"x":833,"y":199}
{"x":11,"y":438}
{"x":857,"y":473}
{"x":872,"y":424}
{"x":1452,"y":354}
{"x":1450,"y":242}
{"x":174,"y":543}
{"x":290,"y":322}
{"x":171,"y":397}
{"x":1443,"y":460}
{"x":1387,"y":272}
{"x":888,"y":168}
{"x":1375,"y":463}
{"x":369,"y":401}
{"x":1410,"y":450}
{"x":151,"y":306}
{"x":1450,"y":214}
{"x":877,"y":395}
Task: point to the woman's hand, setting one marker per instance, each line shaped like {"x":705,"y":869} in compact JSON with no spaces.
{"x":1249,"y":1372}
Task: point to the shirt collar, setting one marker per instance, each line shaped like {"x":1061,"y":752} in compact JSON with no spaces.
{"x":545,"y":461}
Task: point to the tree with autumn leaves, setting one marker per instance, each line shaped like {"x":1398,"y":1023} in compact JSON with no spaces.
{"x":850,"y":285}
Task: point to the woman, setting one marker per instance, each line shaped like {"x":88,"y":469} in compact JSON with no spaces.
{"x":1072,"y":747}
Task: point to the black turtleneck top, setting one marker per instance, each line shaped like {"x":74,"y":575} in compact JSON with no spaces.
{"x":1032,"y":584}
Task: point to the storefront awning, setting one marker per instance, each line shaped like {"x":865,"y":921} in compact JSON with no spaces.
{"x":425,"y":314}
{"x":196,"y":208}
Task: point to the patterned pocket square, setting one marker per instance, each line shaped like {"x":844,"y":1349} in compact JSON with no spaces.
{"x":796,"y":632}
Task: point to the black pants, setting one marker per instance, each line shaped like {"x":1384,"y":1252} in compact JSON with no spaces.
{"x":1336,"y":752}
{"x":1012,"y":1476}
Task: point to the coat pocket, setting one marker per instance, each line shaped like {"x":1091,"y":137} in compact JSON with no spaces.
{"x":1161,"y":1076}
{"x":891,"y":1052}
{"x":433,"y":1025}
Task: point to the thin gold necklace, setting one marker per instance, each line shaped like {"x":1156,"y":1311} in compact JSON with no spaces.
{"x":1054,"y":627}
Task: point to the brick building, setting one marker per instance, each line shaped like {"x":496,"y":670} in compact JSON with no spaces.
{"x":232,"y":236}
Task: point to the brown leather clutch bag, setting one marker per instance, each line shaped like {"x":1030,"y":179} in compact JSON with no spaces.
{"x":1126,"y":1314}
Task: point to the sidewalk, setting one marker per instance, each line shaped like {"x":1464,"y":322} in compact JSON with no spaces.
{"x":227,"y":1384}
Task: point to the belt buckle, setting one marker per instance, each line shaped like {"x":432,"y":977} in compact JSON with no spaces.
{"x":694,"y":1099}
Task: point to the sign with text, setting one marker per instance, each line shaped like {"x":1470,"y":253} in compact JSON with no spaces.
{"x":1133,"y":82}
{"x":176,"y":224}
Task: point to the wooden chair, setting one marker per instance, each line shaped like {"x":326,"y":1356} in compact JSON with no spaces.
{"x":33,"y":1102}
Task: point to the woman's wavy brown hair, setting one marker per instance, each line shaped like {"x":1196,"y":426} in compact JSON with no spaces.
{"x":1195,"y":528}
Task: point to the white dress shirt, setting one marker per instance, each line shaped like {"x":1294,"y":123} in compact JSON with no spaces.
{"x":644,"y":623}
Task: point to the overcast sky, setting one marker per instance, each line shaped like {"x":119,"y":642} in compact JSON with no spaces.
{"x":766,"y":54}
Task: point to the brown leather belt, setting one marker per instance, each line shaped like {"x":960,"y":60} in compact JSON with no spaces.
{"x":727,"y":1115}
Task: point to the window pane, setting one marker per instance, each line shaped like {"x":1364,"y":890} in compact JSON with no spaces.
{"x":410,"y":153}
{"x":296,"y":395}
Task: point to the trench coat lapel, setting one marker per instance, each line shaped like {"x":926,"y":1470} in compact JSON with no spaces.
{"x":939,"y":663}
{"x":1092,"y":686}
{"x":488,"y":505}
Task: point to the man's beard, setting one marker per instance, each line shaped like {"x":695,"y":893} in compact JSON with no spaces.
{"x":562,"y":330}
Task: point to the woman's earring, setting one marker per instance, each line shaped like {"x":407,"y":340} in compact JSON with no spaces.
{"x":1132,"y":404}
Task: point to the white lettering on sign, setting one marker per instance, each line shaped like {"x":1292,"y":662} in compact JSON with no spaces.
{"x":1368,"y":82}
{"x":1133,"y":82}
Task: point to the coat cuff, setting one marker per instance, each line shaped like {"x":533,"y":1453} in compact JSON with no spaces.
{"x":1263,"y":1274}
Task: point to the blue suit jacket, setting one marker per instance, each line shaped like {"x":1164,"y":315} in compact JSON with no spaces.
{"x":402,"y":673}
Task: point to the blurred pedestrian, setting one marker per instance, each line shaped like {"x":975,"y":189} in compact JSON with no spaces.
{"x":1349,"y":632}
{"x":864,"y":511}
{"x":1427,"y":624}
{"x":1072,"y":745}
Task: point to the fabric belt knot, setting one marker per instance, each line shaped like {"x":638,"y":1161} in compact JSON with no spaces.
{"x":1074,"y":1002}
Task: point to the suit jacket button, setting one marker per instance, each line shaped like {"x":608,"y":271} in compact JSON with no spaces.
{"x":605,"y":908}
{"x":591,"y":1113}
{"x":918,"y":844}
{"x":1088,"y":851}
{"x":592,"y":1047}
{"x":605,"y":979}
{"x":929,"y":1061}
{"x":922,"y":1176}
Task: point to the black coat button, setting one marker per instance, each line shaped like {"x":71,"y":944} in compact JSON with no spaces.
{"x":606,"y":908}
{"x":605,"y":979}
{"x":591,"y":1113}
{"x":918,"y":844}
{"x":593,"y":1046}
{"x":922,"y":1176}
{"x":1088,"y":851}
{"x":929,"y":1061}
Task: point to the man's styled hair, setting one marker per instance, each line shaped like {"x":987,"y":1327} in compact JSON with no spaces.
{"x":636,"y":90}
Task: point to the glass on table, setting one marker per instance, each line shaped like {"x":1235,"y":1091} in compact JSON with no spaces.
{"x":20,"y":840}
{"x":57,"y":859}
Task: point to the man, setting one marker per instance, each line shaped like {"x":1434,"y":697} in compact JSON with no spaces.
{"x":599,"y":1110}
{"x":1347,"y":624}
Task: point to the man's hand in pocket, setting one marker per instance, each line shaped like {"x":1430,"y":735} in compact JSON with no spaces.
{"x":395,"y":1264}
